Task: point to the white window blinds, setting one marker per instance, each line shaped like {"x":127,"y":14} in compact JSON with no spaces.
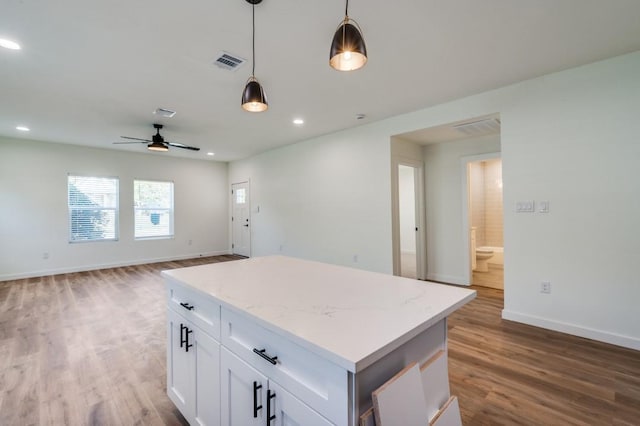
{"x":93,"y":208}
{"x":153,"y":201}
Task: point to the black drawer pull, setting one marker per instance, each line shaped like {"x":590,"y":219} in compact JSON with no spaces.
{"x":256,"y":407}
{"x":270,"y":416}
{"x":182,"y":339}
{"x":188,"y":345}
{"x":261,"y":352}
{"x":187,"y":306}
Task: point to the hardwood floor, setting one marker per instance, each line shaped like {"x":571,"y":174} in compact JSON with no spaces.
{"x":89,"y":349}
{"x":507,"y":373}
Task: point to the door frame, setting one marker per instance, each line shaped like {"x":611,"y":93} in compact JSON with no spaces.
{"x":466,"y":211}
{"x":421,"y":266}
{"x":231,"y":242}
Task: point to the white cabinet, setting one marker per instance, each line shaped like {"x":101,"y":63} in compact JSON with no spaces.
{"x":250,"y":398}
{"x":290,"y":411}
{"x":244,"y":390}
{"x":193,"y":374}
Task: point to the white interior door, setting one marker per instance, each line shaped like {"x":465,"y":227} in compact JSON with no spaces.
{"x":240,"y":219}
{"x":408,"y":222}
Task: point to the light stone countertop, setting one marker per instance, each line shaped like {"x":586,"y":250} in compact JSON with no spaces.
{"x":349,"y":316}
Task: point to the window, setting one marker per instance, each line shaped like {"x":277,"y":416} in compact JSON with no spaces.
{"x":241,"y":196}
{"x":153,"y":201}
{"x":93,"y":208}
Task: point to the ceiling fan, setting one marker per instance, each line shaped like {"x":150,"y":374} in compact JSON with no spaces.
{"x":157,"y":142}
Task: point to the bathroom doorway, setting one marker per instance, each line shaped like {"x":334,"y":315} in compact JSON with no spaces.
{"x":485,"y":220}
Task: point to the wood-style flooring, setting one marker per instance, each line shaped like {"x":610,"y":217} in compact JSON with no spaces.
{"x":506,"y":373}
{"x":89,"y":349}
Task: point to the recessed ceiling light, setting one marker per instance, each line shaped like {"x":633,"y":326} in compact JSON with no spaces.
{"x":298,"y":121}
{"x":9,"y":44}
{"x":23,"y":128}
{"x":211,"y":153}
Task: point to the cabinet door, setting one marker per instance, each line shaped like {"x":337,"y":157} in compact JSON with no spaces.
{"x":206,"y":354}
{"x":179,"y":369}
{"x":290,"y":411}
{"x":243,"y":392}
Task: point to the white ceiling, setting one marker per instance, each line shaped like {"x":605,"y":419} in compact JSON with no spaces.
{"x":91,"y":71}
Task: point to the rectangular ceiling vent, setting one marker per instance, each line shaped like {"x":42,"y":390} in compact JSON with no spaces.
{"x":163,"y":112}
{"x":227,"y":61}
{"x":486,"y":126}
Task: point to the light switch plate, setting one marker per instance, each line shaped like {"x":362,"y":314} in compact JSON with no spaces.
{"x":525,"y":206}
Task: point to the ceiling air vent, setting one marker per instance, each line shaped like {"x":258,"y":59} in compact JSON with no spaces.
{"x":163,"y":112}
{"x":486,"y":126}
{"x":228,"y":61}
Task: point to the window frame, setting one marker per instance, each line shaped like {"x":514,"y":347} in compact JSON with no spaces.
{"x":171,"y":211}
{"x":116,"y":210}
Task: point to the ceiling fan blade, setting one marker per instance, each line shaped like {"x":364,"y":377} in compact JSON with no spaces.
{"x":179,"y":145}
{"x":119,"y":143}
{"x":135,"y":139}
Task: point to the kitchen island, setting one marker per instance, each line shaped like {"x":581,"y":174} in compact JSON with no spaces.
{"x":277,"y":340}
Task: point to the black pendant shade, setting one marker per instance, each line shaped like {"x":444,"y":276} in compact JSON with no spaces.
{"x":253,"y":97}
{"x":348,"y":51}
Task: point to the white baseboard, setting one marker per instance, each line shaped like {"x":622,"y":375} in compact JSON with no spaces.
{"x":450,"y":279}
{"x":576,"y":330}
{"x":45,"y":272}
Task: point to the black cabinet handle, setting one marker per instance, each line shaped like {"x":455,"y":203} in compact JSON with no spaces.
{"x":182,"y":339}
{"x":262,"y":352}
{"x":187,"y":306}
{"x":186,"y":339}
{"x":270,"y":416}
{"x":256,"y":407}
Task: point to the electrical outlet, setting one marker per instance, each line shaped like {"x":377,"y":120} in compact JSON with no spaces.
{"x":45,"y":255}
{"x":545,"y":287}
{"x":189,"y":242}
{"x":355,"y":258}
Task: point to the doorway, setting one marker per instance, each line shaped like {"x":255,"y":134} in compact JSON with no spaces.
{"x":485,"y":220}
{"x":408,"y":219}
{"x":240,"y":223}
{"x":408,"y":224}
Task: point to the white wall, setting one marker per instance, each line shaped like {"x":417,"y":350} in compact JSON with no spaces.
{"x":34,"y":214}
{"x":570,"y":138}
{"x":326,"y":199}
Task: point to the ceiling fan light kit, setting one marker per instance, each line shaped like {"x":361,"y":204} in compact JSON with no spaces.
{"x":157,"y":146}
{"x":253,"y":97}
{"x":348,"y":50}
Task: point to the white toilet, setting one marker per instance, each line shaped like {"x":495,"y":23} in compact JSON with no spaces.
{"x":480,"y":255}
{"x":483,"y":255}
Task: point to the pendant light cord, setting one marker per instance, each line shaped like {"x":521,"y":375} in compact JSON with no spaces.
{"x":346,"y":9}
{"x":253,"y":41}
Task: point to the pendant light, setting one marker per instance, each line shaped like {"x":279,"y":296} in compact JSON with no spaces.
{"x":253,"y":96}
{"x":348,"y":51}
